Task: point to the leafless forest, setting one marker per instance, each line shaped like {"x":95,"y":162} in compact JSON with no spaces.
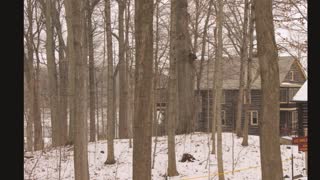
{"x":146,"y":72}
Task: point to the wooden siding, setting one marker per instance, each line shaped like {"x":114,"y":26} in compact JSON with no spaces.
{"x":298,"y":76}
{"x":302,"y":117}
{"x":230,"y":109}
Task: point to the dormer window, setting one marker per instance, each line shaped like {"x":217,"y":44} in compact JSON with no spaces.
{"x":292,"y":75}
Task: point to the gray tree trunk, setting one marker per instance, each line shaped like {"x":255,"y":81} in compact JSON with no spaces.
{"x":185,"y":68}
{"x":92,"y":103}
{"x":218,"y":89}
{"x":173,"y":93}
{"x":63,"y":79}
{"x":142,"y":131}
{"x":110,"y":88}
{"x":28,"y":70}
{"x":48,"y":7}
{"x":123,"y":124}
{"x":34,"y":128}
{"x":71,"y":70}
{"x":214,"y":105}
{"x":249,"y":78}
{"x":80,"y":125}
{"x":243,"y":59}
{"x":271,"y":164}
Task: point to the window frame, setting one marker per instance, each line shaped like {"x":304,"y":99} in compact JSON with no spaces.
{"x":223,"y":113}
{"x":291,"y":75}
{"x":223,"y":98}
{"x":251,"y":118}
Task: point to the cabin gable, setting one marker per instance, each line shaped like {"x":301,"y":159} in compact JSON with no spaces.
{"x":295,"y":74}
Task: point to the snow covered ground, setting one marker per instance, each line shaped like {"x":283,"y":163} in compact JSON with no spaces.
{"x":44,"y":164}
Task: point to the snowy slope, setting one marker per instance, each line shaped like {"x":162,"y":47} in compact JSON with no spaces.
{"x":44,"y":165}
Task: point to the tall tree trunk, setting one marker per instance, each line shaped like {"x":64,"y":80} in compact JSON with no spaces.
{"x":110,"y":91}
{"x":52,"y":73}
{"x":243,"y":59}
{"x":38,"y":137}
{"x":249,"y":78}
{"x":33,"y":110}
{"x":214,"y":105}
{"x":185,"y":59}
{"x":123,"y":124}
{"x":28,"y":70}
{"x":218,"y":88}
{"x":80,"y":125}
{"x":271,"y":164}
{"x":71,"y":73}
{"x":173,"y":93}
{"x":128,"y":73}
{"x":142,"y":133}
{"x":63,"y":78}
{"x":92,"y":92}
{"x":155,"y":97}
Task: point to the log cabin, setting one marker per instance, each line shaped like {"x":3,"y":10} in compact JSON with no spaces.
{"x":292,"y":77}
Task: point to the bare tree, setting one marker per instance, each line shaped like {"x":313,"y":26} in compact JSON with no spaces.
{"x":110,"y":91}
{"x":217,"y":91}
{"x":78,"y":65}
{"x":185,"y":59}
{"x":243,"y":60}
{"x":271,"y":164}
{"x":123,"y":124}
{"x":48,"y":6}
{"x":142,"y":132}
{"x":249,"y":77}
{"x":71,"y":73}
{"x":63,"y":77}
{"x":90,"y":6}
{"x":173,"y":92}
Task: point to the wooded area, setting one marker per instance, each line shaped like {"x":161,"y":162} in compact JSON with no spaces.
{"x":137,"y":71}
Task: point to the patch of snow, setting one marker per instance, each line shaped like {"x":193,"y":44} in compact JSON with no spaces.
{"x":45,"y":164}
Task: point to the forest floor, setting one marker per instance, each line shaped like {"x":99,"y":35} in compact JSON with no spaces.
{"x":42,"y":165}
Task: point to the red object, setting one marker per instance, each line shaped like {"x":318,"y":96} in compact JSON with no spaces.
{"x":303,"y":147}
{"x":300,"y":140}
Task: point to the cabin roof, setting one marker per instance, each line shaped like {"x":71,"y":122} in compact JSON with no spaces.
{"x":231,"y":72}
{"x":302,"y":94}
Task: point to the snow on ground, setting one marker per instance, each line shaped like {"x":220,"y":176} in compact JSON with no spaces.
{"x":44,"y":164}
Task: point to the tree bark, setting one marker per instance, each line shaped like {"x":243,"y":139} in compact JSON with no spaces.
{"x":123,"y":124}
{"x":173,"y":93}
{"x":92,"y":103}
{"x":271,"y":164}
{"x":63,"y":78}
{"x":185,"y":60}
{"x":71,"y":70}
{"x":218,"y":89}
{"x":142,"y":132}
{"x":243,"y":59}
{"x":52,"y":73}
{"x":80,"y":125}
{"x":110,"y":88}
{"x":249,"y":78}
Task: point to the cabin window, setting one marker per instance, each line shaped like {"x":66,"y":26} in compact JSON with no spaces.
{"x":223,"y":97}
{"x":254,"y":118}
{"x":223,"y":117}
{"x":245,"y":99}
{"x":283,"y":95}
{"x":294,"y":121}
{"x":292,"y":75}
